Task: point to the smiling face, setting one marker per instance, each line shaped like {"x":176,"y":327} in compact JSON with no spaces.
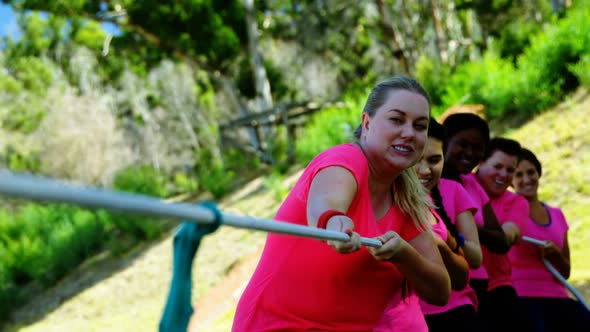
{"x":465,"y":150}
{"x":495,"y":174}
{"x":430,"y":165}
{"x":395,"y":136}
{"x":526,"y":179}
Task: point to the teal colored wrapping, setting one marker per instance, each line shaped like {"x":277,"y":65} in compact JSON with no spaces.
{"x":178,"y":309}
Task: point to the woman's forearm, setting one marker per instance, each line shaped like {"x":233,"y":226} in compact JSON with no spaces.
{"x":473,"y":255}
{"x":456,"y":266}
{"x":428,"y":278}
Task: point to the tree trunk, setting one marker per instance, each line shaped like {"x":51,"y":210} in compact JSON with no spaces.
{"x":439,"y":33}
{"x":397,"y":43}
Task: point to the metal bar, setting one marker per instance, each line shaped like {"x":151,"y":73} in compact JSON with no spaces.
{"x":556,"y":273}
{"x":46,"y":189}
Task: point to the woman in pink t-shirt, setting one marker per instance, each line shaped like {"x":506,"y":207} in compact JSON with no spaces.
{"x":364,"y":189}
{"x":545,"y":297}
{"x":467,"y":137}
{"x":458,"y":240}
{"x":499,"y":309}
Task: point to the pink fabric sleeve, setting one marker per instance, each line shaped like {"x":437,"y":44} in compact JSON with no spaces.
{"x":480,"y":197}
{"x":456,"y":199}
{"x":347,"y":156}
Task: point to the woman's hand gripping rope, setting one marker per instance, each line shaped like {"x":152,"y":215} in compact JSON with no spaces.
{"x":341,"y":223}
{"x":392,"y":244}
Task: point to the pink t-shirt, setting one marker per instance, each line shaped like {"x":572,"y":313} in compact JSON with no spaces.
{"x":403,"y":315}
{"x":480,"y":197}
{"x":303,"y":284}
{"x":507,"y":207}
{"x":406,"y":315}
{"x":530,"y":277}
{"x":456,"y":200}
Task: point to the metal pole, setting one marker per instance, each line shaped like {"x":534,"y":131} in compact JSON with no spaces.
{"x":556,"y":273}
{"x":46,"y":189}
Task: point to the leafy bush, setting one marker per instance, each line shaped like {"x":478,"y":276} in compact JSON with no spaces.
{"x":433,"y":76}
{"x":185,"y":183}
{"x":42,"y":243}
{"x":582,"y":70}
{"x":145,"y":180}
{"x":332,"y":126}
{"x":550,"y":67}
{"x":488,"y":81}
{"x":218,"y":179}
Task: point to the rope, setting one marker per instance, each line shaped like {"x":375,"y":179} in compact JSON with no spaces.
{"x":556,"y":273}
{"x":46,"y":189}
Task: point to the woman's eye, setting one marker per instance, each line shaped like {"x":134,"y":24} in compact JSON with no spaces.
{"x":420,"y":127}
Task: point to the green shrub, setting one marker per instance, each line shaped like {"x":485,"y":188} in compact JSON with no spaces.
{"x":433,"y":76}
{"x":332,"y":126}
{"x":550,"y":67}
{"x":127,"y":227}
{"x":218,"y":179}
{"x":489,"y":81}
{"x":582,"y":70}
{"x":22,"y":161}
{"x":143,"y":179}
{"x":185,"y":183}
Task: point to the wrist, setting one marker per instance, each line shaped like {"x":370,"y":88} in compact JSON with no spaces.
{"x":324,"y":217}
{"x":460,"y":242}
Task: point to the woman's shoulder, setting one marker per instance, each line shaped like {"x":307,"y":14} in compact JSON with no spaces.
{"x":345,"y":154}
{"x":557,"y":216}
{"x":554,"y":210}
{"x":345,"y":148}
{"x":450,"y":185}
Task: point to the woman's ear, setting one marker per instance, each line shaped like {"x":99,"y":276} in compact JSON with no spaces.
{"x":365,"y":122}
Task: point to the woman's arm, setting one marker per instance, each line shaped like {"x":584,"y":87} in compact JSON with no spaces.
{"x":491,"y":234}
{"x":471,"y":248}
{"x":455,"y":263}
{"x":420,"y":261}
{"x":512,"y":232}
{"x":560,"y":259}
{"x":334,"y":188}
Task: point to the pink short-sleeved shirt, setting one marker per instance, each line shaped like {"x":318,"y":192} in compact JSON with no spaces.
{"x":529,"y":275}
{"x":406,"y":315}
{"x":507,"y":207}
{"x":480,"y":197}
{"x":304,"y":284}
{"x":456,"y":200}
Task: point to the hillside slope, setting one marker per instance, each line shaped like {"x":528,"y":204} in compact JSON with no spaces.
{"x":129,"y":294}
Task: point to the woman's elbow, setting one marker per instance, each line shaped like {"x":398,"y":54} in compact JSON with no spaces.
{"x":499,"y":246}
{"x":440,"y":295}
{"x":473,"y":255}
{"x":459,"y":281}
{"x":474,"y":262}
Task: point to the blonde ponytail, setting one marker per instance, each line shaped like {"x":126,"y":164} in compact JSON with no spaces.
{"x":412,"y":198}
